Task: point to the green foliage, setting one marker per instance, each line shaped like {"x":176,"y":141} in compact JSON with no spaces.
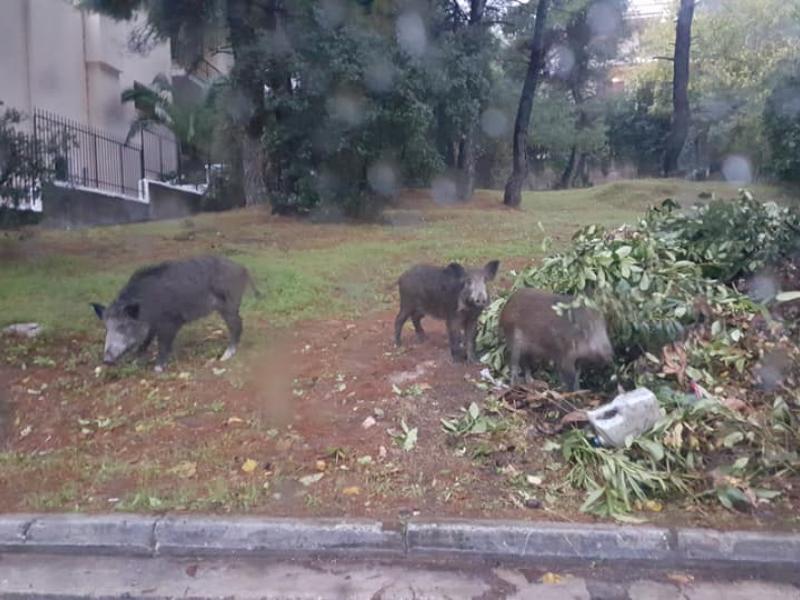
{"x":25,"y":164}
{"x":739,"y":48}
{"x":637,"y":128}
{"x":782,"y":124}
{"x":646,"y":279}
{"x":673,"y":458}
{"x":342,"y":138}
{"x":733,"y":239}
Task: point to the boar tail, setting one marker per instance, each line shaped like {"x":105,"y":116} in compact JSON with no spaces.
{"x":252,"y":283}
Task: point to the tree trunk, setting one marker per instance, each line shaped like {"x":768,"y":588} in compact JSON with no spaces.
{"x":680,"y":89}
{"x":253,"y":167}
{"x":245,"y":21}
{"x":465,"y":178}
{"x":466,"y":166}
{"x":566,"y":176}
{"x":580,"y":177}
{"x":519,"y":173}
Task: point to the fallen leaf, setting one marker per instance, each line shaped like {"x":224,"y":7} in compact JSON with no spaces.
{"x":551,"y":578}
{"x":249,"y":465}
{"x":680,"y":578}
{"x":576,"y":416}
{"x":321,"y":465}
{"x":368,"y":422}
{"x":217,"y":371}
{"x":382,"y":452}
{"x":653,"y":506}
{"x":184,"y":470}
{"x":735,"y":404}
{"x":235,"y":420}
{"x":311,"y":479}
{"x":25,"y":432}
{"x":353,"y":490}
{"x":184,"y":375}
{"x":534,"y":480}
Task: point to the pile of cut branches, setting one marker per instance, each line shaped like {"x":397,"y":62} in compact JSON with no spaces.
{"x":724,"y":365}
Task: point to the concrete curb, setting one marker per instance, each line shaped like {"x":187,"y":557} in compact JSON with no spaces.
{"x":137,"y":535}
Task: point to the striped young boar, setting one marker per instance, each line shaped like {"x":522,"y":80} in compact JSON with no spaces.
{"x":158,"y":300}
{"x":452,"y":294}
{"x":535,"y":335}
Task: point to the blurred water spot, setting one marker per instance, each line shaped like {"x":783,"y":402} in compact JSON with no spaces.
{"x":326,"y":184}
{"x":444,"y":190}
{"x":737,"y":169}
{"x":763,"y":287}
{"x":411,"y":34}
{"x":774,"y":367}
{"x":331,"y":13}
{"x":379,"y":76}
{"x":346,"y":107}
{"x":562,"y":61}
{"x":238,"y":107}
{"x":494,"y":122}
{"x":604,"y":20}
{"x":382,"y":178}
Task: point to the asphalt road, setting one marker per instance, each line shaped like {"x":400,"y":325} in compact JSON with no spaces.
{"x":45,"y":576}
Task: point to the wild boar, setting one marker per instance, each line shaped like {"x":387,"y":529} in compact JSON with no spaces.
{"x":159,"y":299}
{"x":535,"y":335}
{"x":453,"y":294}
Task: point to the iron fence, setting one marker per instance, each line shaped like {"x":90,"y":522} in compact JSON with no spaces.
{"x":85,"y":156}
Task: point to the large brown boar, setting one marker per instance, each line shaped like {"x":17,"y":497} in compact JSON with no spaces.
{"x":535,"y":335}
{"x":453,"y":294}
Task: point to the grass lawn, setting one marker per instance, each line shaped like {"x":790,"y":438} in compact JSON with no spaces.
{"x":308,"y":419}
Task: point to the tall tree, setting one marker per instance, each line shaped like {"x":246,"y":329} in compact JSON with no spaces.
{"x":519,"y":173}
{"x":253,"y":29}
{"x":680,"y":88}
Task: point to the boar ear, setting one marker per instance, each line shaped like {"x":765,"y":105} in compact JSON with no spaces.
{"x":99,"y":310}
{"x":491,"y":269}
{"x":132,"y":310}
{"x":455,"y":269}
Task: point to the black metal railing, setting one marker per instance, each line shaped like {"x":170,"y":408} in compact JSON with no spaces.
{"x":86,"y":156}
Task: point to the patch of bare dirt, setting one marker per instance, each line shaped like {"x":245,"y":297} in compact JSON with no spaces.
{"x":298,"y":426}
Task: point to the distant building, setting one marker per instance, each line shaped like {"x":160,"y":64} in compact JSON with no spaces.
{"x":67,"y":68}
{"x":75,"y":64}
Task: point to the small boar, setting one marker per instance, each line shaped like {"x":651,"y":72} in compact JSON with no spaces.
{"x":536,"y":335}
{"x":453,"y":294}
{"x":158,"y":300}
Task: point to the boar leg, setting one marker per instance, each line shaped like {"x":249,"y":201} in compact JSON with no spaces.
{"x":234,"y":323}
{"x":470,"y":331}
{"x":570,"y":375}
{"x":416,"y":319}
{"x":165,"y":339}
{"x":142,"y":349}
{"x":401,"y":319}
{"x":454,"y":337}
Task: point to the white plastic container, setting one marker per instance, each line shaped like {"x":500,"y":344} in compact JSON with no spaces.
{"x":629,"y":414}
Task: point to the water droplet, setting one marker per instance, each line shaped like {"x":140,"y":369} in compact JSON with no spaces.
{"x":561,"y":61}
{"x":331,"y":13}
{"x":379,"y":76}
{"x":494,"y":122}
{"x":382,"y":178}
{"x":604,"y":20}
{"x":737,"y":169}
{"x":444,"y":190}
{"x":411,"y":34}
{"x":346,"y":107}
